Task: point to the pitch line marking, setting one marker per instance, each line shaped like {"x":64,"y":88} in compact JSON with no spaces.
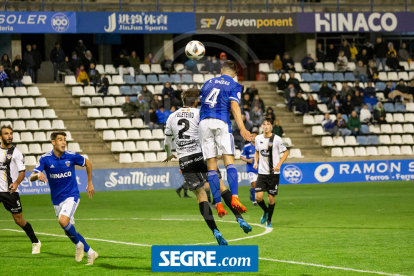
{"x":267,"y":231}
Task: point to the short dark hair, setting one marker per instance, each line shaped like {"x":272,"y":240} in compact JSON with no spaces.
{"x":269,"y":120}
{"x":55,"y":134}
{"x":5,"y":127}
{"x":228,"y":64}
{"x":189,"y":95}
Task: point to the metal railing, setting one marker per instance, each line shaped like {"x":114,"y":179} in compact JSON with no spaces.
{"x":200,"y":6}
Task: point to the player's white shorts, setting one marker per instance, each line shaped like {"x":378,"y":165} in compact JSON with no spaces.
{"x":252,"y":177}
{"x":67,"y":208}
{"x":215,"y":136}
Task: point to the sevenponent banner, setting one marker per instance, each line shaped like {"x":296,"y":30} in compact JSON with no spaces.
{"x":246,"y":22}
{"x":291,"y":173}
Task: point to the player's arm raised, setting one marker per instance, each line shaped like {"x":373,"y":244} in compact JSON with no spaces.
{"x":89,"y":188}
{"x":235,"y":109}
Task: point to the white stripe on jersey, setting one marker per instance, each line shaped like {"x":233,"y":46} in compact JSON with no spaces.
{"x":183,"y":126}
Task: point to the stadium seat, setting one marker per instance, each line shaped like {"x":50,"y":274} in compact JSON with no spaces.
{"x":70,"y":80}
{"x":36,"y":114}
{"x":384,"y":139}
{"x":146,"y":134}
{"x":137,"y":123}
{"x":403,"y":75}
{"x":110,"y":69}
{"x":41,"y":136}
{"x":400,"y":107}
{"x":9,"y":92}
{"x":141,"y":79}
{"x":125,"y":123}
{"x":46,"y":147}
{"x":113,"y":123}
{"x":21,"y":91}
{"x":125,"y":158}
{"x":350,"y":141}
{"x":295,"y":153}
{"x":119,"y":100}
{"x":409,"y":117}
{"x":405,"y":65}
{"x":11,"y":114}
{"x":338,"y":141}
{"x":129,"y":79}
{"x":77,"y":91}
{"x":373,"y":140}
{"x":389,"y":118}
{"x":17,"y":102}
{"x":329,"y":66}
{"x":109,"y":135}
{"x":337,"y":152}
{"x":145,"y":68}
{"x":198,"y":78}
{"x":121,"y":135}
{"x":349,"y":76}
{"x":187,"y":78}
{"x":153,"y":79}
{"x":323,"y":108}
{"x":383,"y":150}
{"x":406,"y":150}
{"x":317,"y":77}
{"x":407,"y":139}
{"x":150,"y":157}
{"x":35,"y":148}
{"x":97,"y":101}
{"x":26,"y":137}
{"x":117,"y":112}
{"x":23,"y":148}
{"x":372,"y":151}
{"x":287,"y":142}
{"x":386,"y":129}
{"x":319,"y":66}
{"x":20,"y":125}
{"x":314,"y":87}
{"x":318,"y":119}
{"x":396,"y":139}
{"x":210,"y":76}
{"x":397,"y":128}
{"x":161,"y":156}
{"x":164,"y":78}
{"x":410,"y":106}
{"x":351,"y":66}
{"x":125,"y":90}
{"x":175,"y":78}
{"x":30,"y":161}
{"x":93,"y":113}
{"x":4,"y":103}
{"x":389,"y":107}
{"x":88,"y":90}
{"x":383,"y":76}
{"x":345,"y":117}
{"x":142,"y":146}
{"x":156,"y":68}
{"x":374,"y":129}
{"x":308,"y":120}
{"x":109,"y":101}
{"x":58,"y":124}
{"x":130,"y":146}
{"x":101,"y":124}
{"x":23,"y":114}
{"x":264,"y":68}
{"x":305,"y":87}
{"x":117,"y":146}
{"x":179,"y":67}
{"x":158,"y":134}
{"x":360,"y":151}
{"x":306,"y":77}
{"x":105,"y":112}
{"x":100,"y":68}
{"x":348,"y":151}
{"x":33,"y":91}
{"x":317,"y":130}
{"x":154,"y":145}
{"x":339,"y":77}
{"x":138,"y":157}
{"x":158,"y":89}
{"x":298,"y":67}
{"x":393,"y":76}
{"x":74,"y":147}
{"x":327,"y":141}
{"x":133,"y":134}
{"x":273,"y":78}
{"x":362,"y":140}
{"x":328,"y":77}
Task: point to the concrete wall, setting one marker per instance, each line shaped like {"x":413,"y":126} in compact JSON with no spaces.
{"x":297,"y":45}
{"x":155,"y":43}
{"x":5,"y":45}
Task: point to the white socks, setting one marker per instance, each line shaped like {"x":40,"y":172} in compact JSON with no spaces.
{"x":90,"y":251}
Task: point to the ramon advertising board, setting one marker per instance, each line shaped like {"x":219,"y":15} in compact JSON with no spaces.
{"x":246,"y":22}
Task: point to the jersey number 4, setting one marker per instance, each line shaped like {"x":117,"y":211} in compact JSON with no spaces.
{"x":212,"y":97}
{"x":186,"y":124}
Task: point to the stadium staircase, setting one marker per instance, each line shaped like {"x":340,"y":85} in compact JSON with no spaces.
{"x":68,"y":110}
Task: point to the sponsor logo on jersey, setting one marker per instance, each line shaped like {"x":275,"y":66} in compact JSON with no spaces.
{"x":67,"y":163}
{"x":60,"y":175}
{"x":265,"y":153}
{"x":9,"y":156}
{"x":52,"y":167}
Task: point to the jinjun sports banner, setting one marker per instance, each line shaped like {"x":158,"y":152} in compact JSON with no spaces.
{"x":291,"y":173}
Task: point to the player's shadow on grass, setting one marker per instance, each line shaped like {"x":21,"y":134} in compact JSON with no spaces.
{"x":110,"y":266}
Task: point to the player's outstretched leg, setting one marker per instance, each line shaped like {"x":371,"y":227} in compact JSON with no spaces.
{"x":27,"y":228}
{"x":226,"y":195}
{"x":233,"y":180}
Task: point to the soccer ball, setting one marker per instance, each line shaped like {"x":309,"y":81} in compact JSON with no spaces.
{"x":195,"y":50}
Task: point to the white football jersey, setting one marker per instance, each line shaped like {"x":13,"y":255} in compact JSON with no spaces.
{"x":10,"y":166}
{"x":269,"y":153}
{"x":183,"y":126}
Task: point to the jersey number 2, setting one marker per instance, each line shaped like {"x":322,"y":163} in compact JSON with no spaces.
{"x":212,"y":97}
{"x":186,"y":125}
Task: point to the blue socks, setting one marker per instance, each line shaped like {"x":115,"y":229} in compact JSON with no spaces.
{"x":214,"y":182}
{"x":74,"y":236}
{"x":252,"y":194}
{"x":233,"y":179}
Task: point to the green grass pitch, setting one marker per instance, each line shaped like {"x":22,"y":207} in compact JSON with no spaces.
{"x":361,"y":226}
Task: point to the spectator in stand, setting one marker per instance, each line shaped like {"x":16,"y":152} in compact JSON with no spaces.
{"x":142,"y":106}
{"x":123,"y":65}
{"x":277,"y":64}
{"x":28,"y":60}
{"x":360,"y":72}
{"x":401,"y":93}
{"x":246,"y":101}
{"x":372,"y":71}
{"x":75,"y":63}
{"x":135,"y":62}
{"x":151,"y":120}
{"x":346,"y":90}
{"x":169,"y":96}
{"x":17,"y":76}
{"x":335,"y":90}
{"x":354,"y":52}
{"x":329,"y":125}
{"x":80,"y":49}
{"x":213,"y":65}
{"x":320,"y":55}
{"x":365,"y":115}
{"x":149,"y":59}
{"x":148,"y":96}
{"x":178,"y":93}
{"x":308,"y":63}
{"x":167,"y":65}
{"x":270,"y":113}
{"x":312,"y":104}
{"x":191,"y":65}
{"x":257,"y":102}
{"x":301,"y":104}
{"x":247,"y":124}
{"x":64,"y":67}
{"x":401,"y":86}
{"x":411,"y":87}
{"x":93,"y":74}
{"x":380,"y":51}
{"x":369,"y":49}
{"x":282,"y":84}
{"x":290,"y":94}
{"x":56,"y":57}
{"x":256,"y":115}
{"x":370,"y":90}
{"x":18,"y":62}
{"x":358,"y":101}
{"x":379,"y":114}
{"x":294,"y":81}
{"x":103,"y":85}
{"x":403,"y":53}
{"x":332,"y":54}
{"x":393,"y":62}
{"x":391,"y":50}
{"x":370,"y":95}
{"x":156,"y":103}
{"x":6,"y":63}
{"x":325,"y":92}
{"x":342,"y":62}
{"x":83,"y":76}
{"x":87,"y":60}
{"x":37,"y":61}
{"x":359,"y":88}
{"x":388,"y":89}
{"x":223,"y":58}
{"x":363,"y":57}
{"x":277,"y":128}
{"x":130,"y":109}
{"x":4,"y":79}
{"x":354,"y":123}
{"x":287,"y":61}
{"x":162,"y":116}
{"x":348,"y":105}
{"x":342,"y":125}
{"x":345,"y":48}
{"x":334,"y":104}
{"x":252,"y":91}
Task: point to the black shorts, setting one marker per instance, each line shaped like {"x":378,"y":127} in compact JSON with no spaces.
{"x":267,"y":183}
{"x":194,"y":169}
{"x":11,"y":202}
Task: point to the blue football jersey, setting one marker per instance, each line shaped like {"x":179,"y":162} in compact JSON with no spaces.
{"x":216,"y":95}
{"x":60,"y":173}
{"x":248,"y":152}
